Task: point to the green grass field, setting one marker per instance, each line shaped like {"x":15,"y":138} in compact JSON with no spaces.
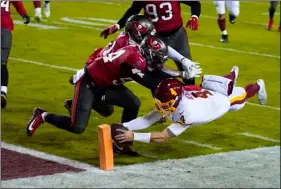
{"x":32,"y":85}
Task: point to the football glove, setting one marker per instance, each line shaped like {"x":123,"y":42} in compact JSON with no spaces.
{"x":192,"y":23}
{"x":26,"y":18}
{"x":192,"y":69}
{"x":110,"y":30}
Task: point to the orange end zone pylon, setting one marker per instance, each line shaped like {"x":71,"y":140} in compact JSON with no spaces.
{"x":105,"y":147}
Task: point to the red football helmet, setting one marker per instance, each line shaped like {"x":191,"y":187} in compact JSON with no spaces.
{"x":167,"y":96}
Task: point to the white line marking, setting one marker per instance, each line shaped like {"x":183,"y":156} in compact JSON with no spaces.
{"x":108,"y":3}
{"x":41,"y":26}
{"x":200,"y":144}
{"x":258,"y":136}
{"x":66,"y":19}
{"x":46,"y":156}
{"x":264,"y":106}
{"x":43,"y":64}
{"x":266,"y":13}
{"x":234,"y":50}
{"x":99,"y":19}
{"x":77,"y":25}
{"x":73,"y":69}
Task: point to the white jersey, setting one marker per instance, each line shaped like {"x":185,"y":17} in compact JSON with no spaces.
{"x":199,"y":107}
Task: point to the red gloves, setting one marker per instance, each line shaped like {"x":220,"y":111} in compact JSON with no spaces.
{"x":193,"y":23}
{"x":110,"y":30}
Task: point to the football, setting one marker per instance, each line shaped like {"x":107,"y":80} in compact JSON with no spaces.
{"x":114,"y":132}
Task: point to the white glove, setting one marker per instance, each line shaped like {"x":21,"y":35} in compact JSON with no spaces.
{"x":192,"y":69}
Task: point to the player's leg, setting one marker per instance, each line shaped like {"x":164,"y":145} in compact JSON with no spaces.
{"x":103,"y":108}
{"x":240,"y":95}
{"x":271,"y":11}
{"x":233,"y":74}
{"x":179,"y":41}
{"x":121,"y":96}
{"x":220,"y":7}
{"x":6,"y":44}
{"x":37,"y":10}
{"x":233,"y":9}
{"x":81,"y":110}
{"x":47,"y":9}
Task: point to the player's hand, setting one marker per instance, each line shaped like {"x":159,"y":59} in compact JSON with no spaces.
{"x":26,"y":18}
{"x":125,"y":136}
{"x":192,"y":70}
{"x":192,"y":23}
{"x":188,"y":64}
{"x":110,"y":30}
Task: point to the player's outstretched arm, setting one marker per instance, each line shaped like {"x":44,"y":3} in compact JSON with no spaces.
{"x":21,"y":10}
{"x":134,"y":9}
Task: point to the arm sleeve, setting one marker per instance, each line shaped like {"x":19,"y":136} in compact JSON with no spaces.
{"x":176,"y":129}
{"x":195,"y":7}
{"x":171,"y":72}
{"x":134,"y":9}
{"x":173,"y":54}
{"x":143,"y":122}
{"x":19,"y":7}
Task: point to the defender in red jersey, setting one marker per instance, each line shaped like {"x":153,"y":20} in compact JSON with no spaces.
{"x":106,"y":75}
{"x":7,"y":26}
{"x":166,"y":16}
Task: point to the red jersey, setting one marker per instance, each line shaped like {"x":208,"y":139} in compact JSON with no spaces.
{"x":6,"y":19}
{"x":121,"y":41}
{"x":107,"y":70}
{"x":165,"y":15}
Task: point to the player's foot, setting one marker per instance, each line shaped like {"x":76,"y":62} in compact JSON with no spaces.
{"x":38,"y":14}
{"x":47,"y":10}
{"x":235,"y":69}
{"x":224,"y":38}
{"x":270,"y":24}
{"x":262,"y":95}
{"x":3,"y":99}
{"x":232,"y":19}
{"x":67,"y":105}
{"x":35,"y":121}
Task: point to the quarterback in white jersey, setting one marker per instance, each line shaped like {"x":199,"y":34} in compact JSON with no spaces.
{"x":233,"y":9}
{"x":191,"y":105}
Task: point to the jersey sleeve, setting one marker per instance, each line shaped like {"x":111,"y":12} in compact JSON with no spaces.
{"x":177,"y":129}
{"x":134,"y":9}
{"x":195,"y":7}
{"x":144,"y":121}
{"x":19,"y":7}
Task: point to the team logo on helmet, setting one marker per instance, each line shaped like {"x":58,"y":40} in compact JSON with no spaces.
{"x":138,"y":27}
{"x":153,"y":43}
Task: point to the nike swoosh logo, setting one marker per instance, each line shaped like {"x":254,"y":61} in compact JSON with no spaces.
{"x":120,"y":148}
{"x":30,"y":126}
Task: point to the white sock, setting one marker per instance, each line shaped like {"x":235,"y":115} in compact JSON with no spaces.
{"x":224,"y":32}
{"x":4,"y":89}
{"x":38,"y":11}
{"x":44,"y":115}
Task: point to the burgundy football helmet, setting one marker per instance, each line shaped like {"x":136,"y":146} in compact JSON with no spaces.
{"x":138,"y":26}
{"x":168,"y":95}
{"x":154,"y":51}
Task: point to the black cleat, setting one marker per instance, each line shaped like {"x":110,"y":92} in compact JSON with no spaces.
{"x":67,"y":105}
{"x":3,"y":100}
{"x":224,"y":38}
{"x":232,"y":19}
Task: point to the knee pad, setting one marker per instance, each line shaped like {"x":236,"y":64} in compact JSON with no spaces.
{"x":108,"y":112}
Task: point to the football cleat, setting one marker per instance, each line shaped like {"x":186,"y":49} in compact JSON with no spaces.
{"x":35,"y":121}
{"x":47,"y":10}
{"x":3,"y":100}
{"x":224,"y":38}
{"x":67,"y":105}
{"x":232,"y":19}
{"x":270,"y":24}
{"x":235,"y":69}
{"x":38,"y":14}
{"x":262,"y":95}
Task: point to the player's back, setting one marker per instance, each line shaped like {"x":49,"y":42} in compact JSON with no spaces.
{"x":200,"y":106}
{"x":166,"y":15}
{"x":122,"y":40}
{"x":105,"y":70}
{"x":5,"y":8}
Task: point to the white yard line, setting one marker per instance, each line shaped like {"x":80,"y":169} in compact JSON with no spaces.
{"x":73,"y":69}
{"x":235,"y":50}
{"x":71,"y":20}
{"x":77,"y":25}
{"x":99,"y":19}
{"x":199,"y":144}
{"x":41,"y":26}
{"x":46,"y":156}
{"x":259,"y":137}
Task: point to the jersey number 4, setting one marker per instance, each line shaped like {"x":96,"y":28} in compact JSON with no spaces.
{"x":112,"y":56}
{"x":6,"y":5}
{"x":151,"y":9}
